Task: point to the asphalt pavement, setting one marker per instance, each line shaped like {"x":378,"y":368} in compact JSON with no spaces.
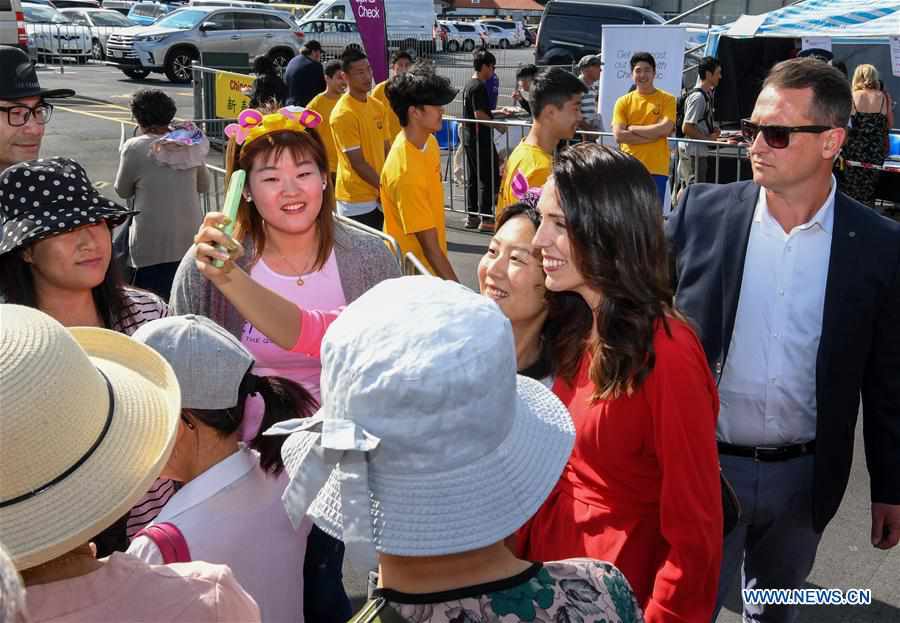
{"x":88,"y":128}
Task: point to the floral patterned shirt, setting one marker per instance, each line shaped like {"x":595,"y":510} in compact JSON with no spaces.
{"x":569,"y":591}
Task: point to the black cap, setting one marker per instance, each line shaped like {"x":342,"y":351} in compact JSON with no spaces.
{"x":18,"y":78}
{"x":818,"y":53}
{"x":312,"y":46}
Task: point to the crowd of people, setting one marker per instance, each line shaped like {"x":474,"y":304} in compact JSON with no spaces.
{"x":630,"y":410}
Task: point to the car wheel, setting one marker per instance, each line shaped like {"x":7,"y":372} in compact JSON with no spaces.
{"x":136,"y":74}
{"x":178,"y":65}
{"x":453,"y":47}
{"x":281,"y":60}
{"x":97,"y":50}
{"x":468,"y":45}
{"x":504,"y":43}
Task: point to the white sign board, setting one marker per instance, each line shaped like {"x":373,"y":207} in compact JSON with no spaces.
{"x":816,"y":43}
{"x":746,"y":25}
{"x":895,"y":56}
{"x":665,"y":43}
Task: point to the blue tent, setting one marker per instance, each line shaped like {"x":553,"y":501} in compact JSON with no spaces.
{"x":845,"y":21}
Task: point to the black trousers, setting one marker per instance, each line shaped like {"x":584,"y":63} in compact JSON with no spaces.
{"x":374,"y":219}
{"x":482,"y":176}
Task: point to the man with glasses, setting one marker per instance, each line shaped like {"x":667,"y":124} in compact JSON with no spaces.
{"x":23,"y":111}
{"x":795,"y":290}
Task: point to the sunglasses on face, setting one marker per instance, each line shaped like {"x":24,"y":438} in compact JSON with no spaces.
{"x":778,"y":136}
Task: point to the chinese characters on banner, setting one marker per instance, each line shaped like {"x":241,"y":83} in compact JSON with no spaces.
{"x":370,"y":20}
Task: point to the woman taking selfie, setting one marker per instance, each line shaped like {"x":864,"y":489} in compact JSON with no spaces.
{"x":641,"y":488}
{"x":292,"y":243}
{"x":55,"y":256}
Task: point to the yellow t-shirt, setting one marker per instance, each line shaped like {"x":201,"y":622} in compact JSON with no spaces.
{"x":636,"y":109}
{"x":529,"y":160}
{"x":412,"y":195}
{"x":324,"y":105}
{"x":393,"y":123}
{"x":357,"y":125}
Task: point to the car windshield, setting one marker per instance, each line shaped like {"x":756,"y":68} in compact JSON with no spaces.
{"x":182,"y":20}
{"x":44,"y":15}
{"x":109,"y":18}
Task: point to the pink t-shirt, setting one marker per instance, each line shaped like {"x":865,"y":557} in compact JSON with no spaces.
{"x":321,"y":290}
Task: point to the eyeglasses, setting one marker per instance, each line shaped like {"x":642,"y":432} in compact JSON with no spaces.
{"x":778,"y":136}
{"x":19,"y":115}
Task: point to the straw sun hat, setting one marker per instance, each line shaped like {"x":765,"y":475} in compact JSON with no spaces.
{"x":427,"y":442}
{"x":88,"y":421}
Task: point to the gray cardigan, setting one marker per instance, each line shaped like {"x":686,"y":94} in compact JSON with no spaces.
{"x":362,"y":260}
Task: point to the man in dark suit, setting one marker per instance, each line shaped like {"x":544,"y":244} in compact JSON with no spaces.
{"x":795,"y":290}
{"x":304,"y":75}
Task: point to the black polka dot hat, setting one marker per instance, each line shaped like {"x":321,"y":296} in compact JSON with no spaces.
{"x":46,"y":197}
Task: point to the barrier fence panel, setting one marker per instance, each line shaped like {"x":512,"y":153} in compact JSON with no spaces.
{"x":413,"y":266}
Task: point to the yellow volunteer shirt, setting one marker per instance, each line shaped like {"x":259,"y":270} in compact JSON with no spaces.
{"x":412,"y":195}
{"x":393,"y":122}
{"x":324,"y":105}
{"x":529,"y":160}
{"x":636,"y":109}
{"x":357,"y":125}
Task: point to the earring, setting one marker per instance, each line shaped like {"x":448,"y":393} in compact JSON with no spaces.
{"x":324,"y":185}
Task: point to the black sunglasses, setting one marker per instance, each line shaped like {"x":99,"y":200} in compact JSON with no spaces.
{"x":778,"y":136}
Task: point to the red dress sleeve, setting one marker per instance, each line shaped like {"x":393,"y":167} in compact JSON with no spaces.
{"x":684,"y":404}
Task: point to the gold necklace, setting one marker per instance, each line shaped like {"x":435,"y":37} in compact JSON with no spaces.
{"x":293,"y":268}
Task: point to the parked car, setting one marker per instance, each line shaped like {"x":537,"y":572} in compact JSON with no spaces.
{"x":101,"y":22}
{"x":571,"y":29}
{"x":77,"y":4}
{"x":514,"y":31}
{"x":409,"y":22}
{"x":122,"y":6}
{"x":333,"y":34}
{"x":146,"y":13}
{"x":465,"y":36}
{"x":12,"y":24}
{"x":54,"y":35}
{"x":496,"y":36}
{"x":171,"y":44}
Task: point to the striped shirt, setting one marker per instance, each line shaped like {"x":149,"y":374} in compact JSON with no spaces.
{"x":589,"y":107}
{"x":141,"y":308}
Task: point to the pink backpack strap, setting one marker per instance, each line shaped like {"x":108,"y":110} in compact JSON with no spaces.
{"x":169,"y":540}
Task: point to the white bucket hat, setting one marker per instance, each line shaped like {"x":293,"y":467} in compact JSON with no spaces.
{"x":427,"y":442}
{"x":88,"y":421}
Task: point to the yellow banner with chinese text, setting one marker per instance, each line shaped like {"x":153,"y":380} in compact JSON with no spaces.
{"x":230,"y":99}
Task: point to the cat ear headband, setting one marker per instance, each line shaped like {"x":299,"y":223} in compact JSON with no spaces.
{"x":252,"y":124}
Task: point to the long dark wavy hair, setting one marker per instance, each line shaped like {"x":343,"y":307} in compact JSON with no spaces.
{"x":17,"y":286}
{"x":615,"y":229}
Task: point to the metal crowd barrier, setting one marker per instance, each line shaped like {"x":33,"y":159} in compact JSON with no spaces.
{"x":413,"y":266}
{"x":724,"y":162}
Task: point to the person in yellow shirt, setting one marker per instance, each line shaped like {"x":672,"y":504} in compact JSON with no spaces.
{"x":411,"y":190}
{"x":400,"y":63}
{"x":358,"y":126}
{"x":644,"y":118}
{"x":324,"y":103}
{"x":556,"y":104}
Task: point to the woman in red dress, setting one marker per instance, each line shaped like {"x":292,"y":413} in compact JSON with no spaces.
{"x":641,"y":489}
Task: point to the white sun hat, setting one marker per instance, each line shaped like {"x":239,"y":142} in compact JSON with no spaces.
{"x":427,"y":442}
{"x":88,"y":421}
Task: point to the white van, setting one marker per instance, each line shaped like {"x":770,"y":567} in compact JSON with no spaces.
{"x":12,"y":24}
{"x":410,"y":23}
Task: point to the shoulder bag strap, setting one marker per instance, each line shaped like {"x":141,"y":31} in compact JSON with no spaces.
{"x":169,"y":540}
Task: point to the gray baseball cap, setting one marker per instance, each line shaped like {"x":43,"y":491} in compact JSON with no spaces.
{"x":209,"y":362}
{"x":590,"y":60}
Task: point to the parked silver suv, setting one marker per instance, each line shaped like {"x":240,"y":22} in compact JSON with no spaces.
{"x":172,"y":43}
